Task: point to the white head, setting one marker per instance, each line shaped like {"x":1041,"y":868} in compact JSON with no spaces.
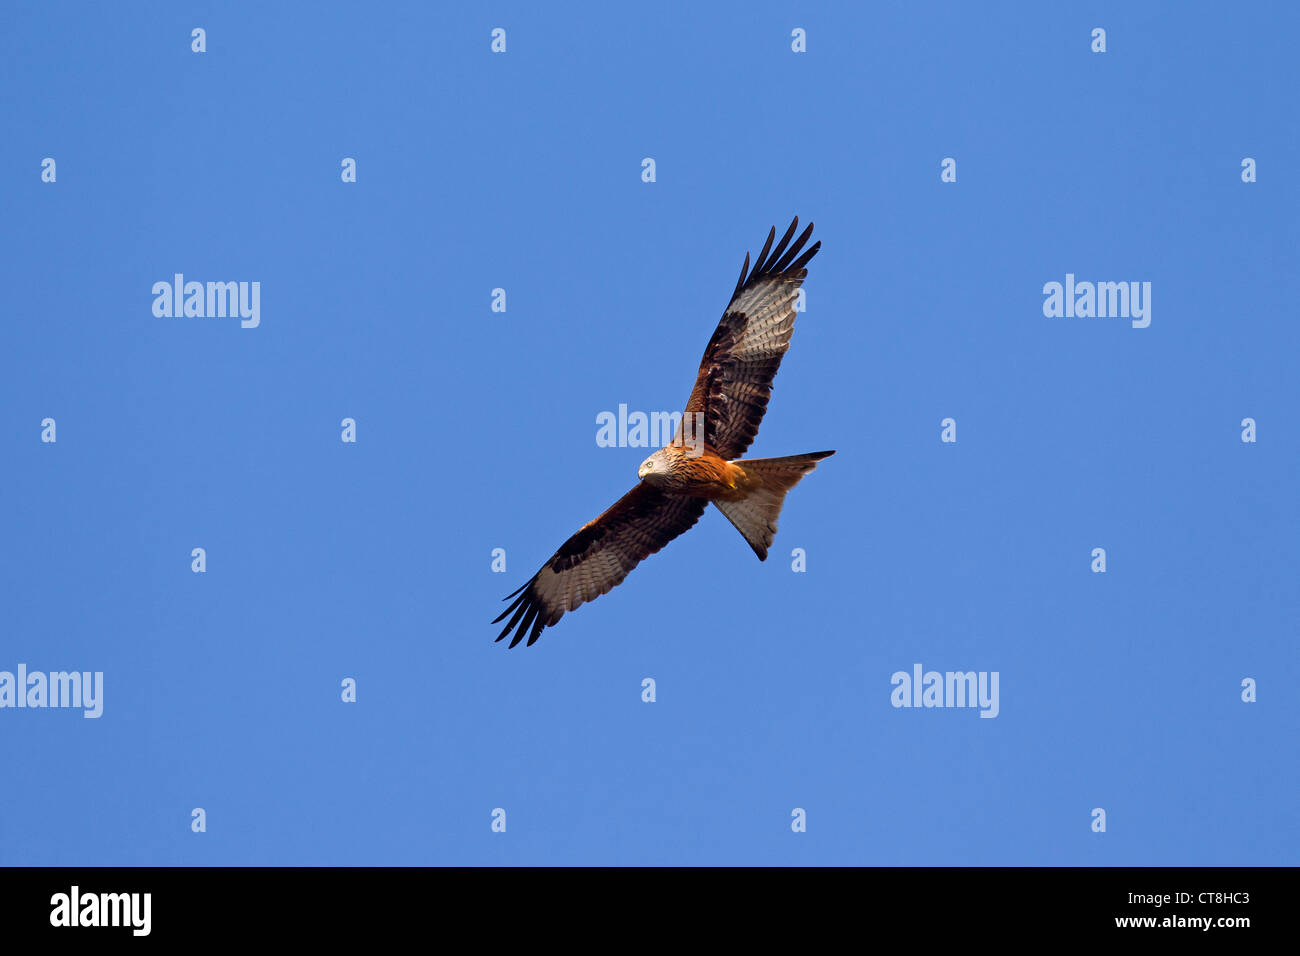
{"x":654,"y":469}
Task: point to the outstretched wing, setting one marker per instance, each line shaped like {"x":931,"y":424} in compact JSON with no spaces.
{"x":742,"y":358}
{"x":598,"y":557}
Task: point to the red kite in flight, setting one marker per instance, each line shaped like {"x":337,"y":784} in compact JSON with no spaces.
{"x":680,"y":479}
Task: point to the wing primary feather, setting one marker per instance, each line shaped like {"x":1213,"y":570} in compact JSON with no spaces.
{"x":525,"y":624}
{"x":797,"y":266}
{"x":758,"y":263}
{"x":518,"y":600}
{"x":794,"y":250}
{"x":537,"y":631}
{"x":510,"y":609}
{"x":519,"y":607}
{"x":779,"y":251}
{"x":516,"y":591}
{"x":744,"y":271}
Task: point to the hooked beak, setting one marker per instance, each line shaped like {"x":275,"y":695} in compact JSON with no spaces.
{"x":643,"y":471}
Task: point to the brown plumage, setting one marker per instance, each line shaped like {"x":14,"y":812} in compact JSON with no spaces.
{"x":678,"y":481}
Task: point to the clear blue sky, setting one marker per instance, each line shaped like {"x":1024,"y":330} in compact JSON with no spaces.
{"x":476,"y":430}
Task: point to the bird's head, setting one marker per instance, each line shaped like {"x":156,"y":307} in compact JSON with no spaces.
{"x":652,"y":467}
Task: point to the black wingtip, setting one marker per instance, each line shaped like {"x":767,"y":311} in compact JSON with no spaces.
{"x":537,"y":631}
{"x":803,"y":260}
{"x":762,"y":256}
{"x":519,"y":608}
{"x":525,"y":624}
{"x":744,"y":272}
{"x":518,"y":589}
{"x":787,"y":259}
{"x":779,"y":255}
{"x":783,"y":264}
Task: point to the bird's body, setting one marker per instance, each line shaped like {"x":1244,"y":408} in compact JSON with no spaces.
{"x":679,"y":480}
{"x":707,"y":475}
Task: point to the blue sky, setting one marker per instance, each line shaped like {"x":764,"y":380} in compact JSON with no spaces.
{"x":476,"y":430}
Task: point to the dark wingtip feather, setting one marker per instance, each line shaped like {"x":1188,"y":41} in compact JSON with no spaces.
{"x":520,"y":588}
{"x":537,"y":631}
{"x":758,"y":263}
{"x":744,"y":271}
{"x":525,"y":624}
{"x":783,"y":263}
{"x":519,"y":607}
{"x":785,"y":260}
{"x":517,"y":600}
{"x":497,"y":619}
{"x":774,"y":264}
{"x":804,"y":259}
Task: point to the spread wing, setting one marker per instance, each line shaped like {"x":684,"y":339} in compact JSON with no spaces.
{"x":742,"y":358}
{"x":598,"y":557}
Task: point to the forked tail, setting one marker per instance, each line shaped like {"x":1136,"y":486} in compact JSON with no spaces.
{"x":754,"y":516}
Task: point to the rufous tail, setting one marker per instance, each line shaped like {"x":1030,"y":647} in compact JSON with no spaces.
{"x":755,"y":515}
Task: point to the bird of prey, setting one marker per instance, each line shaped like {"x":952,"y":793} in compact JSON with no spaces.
{"x":679,"y":480}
